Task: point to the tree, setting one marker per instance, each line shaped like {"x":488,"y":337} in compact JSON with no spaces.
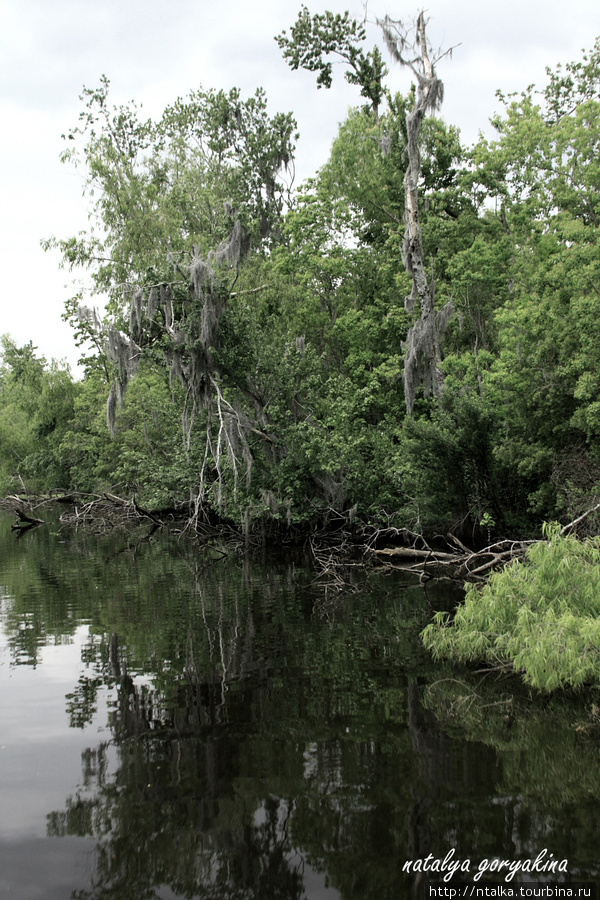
{"x":271,"y":326}
{"x":423,"y":353}
{"x":540,"y":174}
{"x":539,"y":616}
{"x":36,"y":408}
{"x":314,"y":39}
{"x":184,"y":202}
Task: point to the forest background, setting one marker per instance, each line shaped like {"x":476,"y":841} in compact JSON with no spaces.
{"x":251,"y":360}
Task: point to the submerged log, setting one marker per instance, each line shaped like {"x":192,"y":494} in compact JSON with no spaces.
{"x":27,"y":520}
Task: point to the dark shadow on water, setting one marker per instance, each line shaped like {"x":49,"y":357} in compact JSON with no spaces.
{"x":244,"y":734}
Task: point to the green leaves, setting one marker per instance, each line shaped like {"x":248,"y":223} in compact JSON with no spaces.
{"x":314,"y":39}
{"x":161,"y":188}
{"x":541,"y":615}
{"x":36,"y":408}
{"x":571,"y":85}
{"x":288,"y":311}
{"x":532,"y":276}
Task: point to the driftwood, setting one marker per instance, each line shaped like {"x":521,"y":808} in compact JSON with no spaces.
{"x":457,"y":562}
{"x":107,"y":512}
{"x":101,"y":512}
{"x":335,"y":551}
{"x":24,"y":512}
{"x":26,"y":521}
{"x":472,"y":565}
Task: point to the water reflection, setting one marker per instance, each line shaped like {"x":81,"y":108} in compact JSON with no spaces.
{"x":240,"y":736}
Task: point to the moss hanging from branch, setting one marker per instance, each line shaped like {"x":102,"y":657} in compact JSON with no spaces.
{"x":121,"y":350}
{"x":193,"y":326}
{"x":410,"y":47}
{"x":214,"y":172}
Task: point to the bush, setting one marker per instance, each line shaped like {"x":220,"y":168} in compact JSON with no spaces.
{"x":541,"y":615}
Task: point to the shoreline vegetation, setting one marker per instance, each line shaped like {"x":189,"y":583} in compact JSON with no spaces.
{"x":531,"y":607}
{"x":395,"y":359}
{"x":447,"y":558}
{"x":539,"y":617}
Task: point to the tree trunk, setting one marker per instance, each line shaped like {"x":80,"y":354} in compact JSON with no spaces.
{"x":423,"y":355}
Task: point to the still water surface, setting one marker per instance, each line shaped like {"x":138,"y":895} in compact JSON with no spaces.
{"x":175,"y":724}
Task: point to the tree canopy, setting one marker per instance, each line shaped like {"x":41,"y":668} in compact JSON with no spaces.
{"x":408,"y":337}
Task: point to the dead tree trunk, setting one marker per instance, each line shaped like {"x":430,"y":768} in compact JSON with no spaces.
{"x":423,"y":355}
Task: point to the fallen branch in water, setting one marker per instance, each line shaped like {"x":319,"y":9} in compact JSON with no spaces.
{"x":24,"y":512}
{"x":463,"y":565}
{"x":457,"y":562}
{"x":27,"y":521}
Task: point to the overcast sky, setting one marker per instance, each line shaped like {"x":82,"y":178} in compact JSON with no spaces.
{"x":156,"y":51}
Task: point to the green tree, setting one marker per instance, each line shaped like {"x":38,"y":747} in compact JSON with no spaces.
{"x":36,"y":408}
{"x":311,"y":42}
{"x":188,"y":206}
{"x":163,"y":189}
{"x":313,"y":39}
{"x":540,"y":616}
{"x":542,"y":175}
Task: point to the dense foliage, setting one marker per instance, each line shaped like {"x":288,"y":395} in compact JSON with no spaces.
{"x":253,"y":346}
{"x":542,"y":616}
{"x":37,"y":407}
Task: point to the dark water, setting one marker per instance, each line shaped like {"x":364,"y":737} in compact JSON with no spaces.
{"x":175,"y":724}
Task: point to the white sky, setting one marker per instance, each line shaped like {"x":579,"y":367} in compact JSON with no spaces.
{"x":155,"y":51}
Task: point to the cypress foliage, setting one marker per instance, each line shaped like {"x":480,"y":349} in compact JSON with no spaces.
{"x":540,"y":616}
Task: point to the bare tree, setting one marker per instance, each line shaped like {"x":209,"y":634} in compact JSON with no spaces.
{"x":409,"y":46}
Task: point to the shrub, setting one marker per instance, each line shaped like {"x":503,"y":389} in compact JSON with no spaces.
{"x":541,"y":615}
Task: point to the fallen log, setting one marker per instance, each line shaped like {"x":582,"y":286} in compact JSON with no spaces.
{"x":414,"y":553}
{"x":457,"y":563}
{"x":27,"y":520}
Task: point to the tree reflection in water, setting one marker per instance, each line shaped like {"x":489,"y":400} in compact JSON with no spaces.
{"x":264,"y":743}
{"x":249,"y":756}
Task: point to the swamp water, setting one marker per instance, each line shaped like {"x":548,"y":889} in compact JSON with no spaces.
{"x":175,"y":724}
